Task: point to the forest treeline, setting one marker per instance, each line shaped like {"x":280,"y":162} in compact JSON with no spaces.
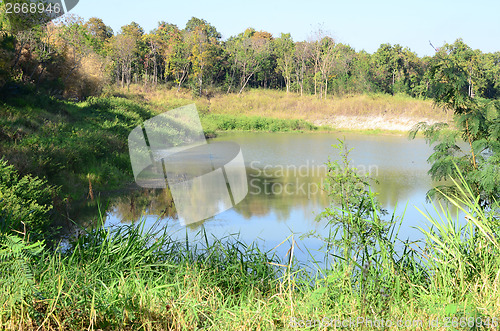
{"x":75,"y":58}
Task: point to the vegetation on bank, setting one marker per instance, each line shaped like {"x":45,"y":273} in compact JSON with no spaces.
{"x":82,"y":146}
{"x":65,"y":151}
{"x":136,"y":278}
{"x":335,"y":112}
{"x":72,"y":144}
{"x":133,"y":278}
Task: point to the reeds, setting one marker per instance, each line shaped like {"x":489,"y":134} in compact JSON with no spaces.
{"x":134,"y":277}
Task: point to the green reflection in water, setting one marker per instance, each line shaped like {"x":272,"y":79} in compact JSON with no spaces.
{"x":285,"y":171}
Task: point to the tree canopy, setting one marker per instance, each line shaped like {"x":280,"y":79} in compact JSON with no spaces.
{"x":69,"y":50}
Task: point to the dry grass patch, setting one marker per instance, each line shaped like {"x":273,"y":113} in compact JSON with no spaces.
{"x":354,"y":112}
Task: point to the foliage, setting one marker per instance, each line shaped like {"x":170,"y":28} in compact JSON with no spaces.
{"x":360,"y":243}
{"x":133,"y":275}
{"x":477,"y":121}
{"x":213,"y":122}
{"x":68,"y":142}
{"x":25,"y":201}
{"x":102,"y":279}
{"x":82,"y":57}
{"x":16,"y":256}
{"x":462,"y":254}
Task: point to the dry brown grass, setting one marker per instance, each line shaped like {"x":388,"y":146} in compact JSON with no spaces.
{"x":357,"y":112}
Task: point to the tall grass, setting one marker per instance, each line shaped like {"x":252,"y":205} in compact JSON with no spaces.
{"x":132,"y":277}
{"x":135,"y":277}
{"x":280,"y":105}
{"x":464,"y":260}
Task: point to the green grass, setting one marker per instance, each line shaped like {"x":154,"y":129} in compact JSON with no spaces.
{"x":70,"y":143}
{"x":218,"y":122}
{"x":135,"y":278}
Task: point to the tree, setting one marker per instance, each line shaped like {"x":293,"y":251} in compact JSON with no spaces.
{"x":284,"y":48}
{"x":361,"y":71}
{"x":323,"y":56}
{"x":302,"y":57}
{"x":153,"y":43}
{"x":195,"y":23}
{"x":135,"y":32}
{"x":124,"y":51}
{"x":203,"y":52}
{"x":176,"y":54}
{"x":247,"y":53}
{"x":127,"y":47}
{"x":387,"y":63}
{"x":342,"y":67}
{"x":266,"y":72}
{"x":477,"y":121}
{"x":99,"y":32}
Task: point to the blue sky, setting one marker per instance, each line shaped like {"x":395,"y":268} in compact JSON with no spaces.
{"x":362,"y":24}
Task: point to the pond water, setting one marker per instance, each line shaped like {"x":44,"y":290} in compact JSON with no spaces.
{"x":285,"y":172}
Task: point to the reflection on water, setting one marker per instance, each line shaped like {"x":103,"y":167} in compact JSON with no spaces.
{"x":285,"y":172}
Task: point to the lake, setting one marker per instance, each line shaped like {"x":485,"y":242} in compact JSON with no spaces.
{"x":285,"y":172}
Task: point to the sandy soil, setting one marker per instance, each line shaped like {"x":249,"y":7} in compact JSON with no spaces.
{"x":372,"y":122}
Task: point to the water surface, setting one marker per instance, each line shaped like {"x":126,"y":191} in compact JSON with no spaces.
{"x":285,"y":172}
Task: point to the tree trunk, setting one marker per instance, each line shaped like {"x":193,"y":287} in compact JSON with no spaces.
{"x":123,"y":75}
{"x":231,"y":83}
{"x":245,"y":84}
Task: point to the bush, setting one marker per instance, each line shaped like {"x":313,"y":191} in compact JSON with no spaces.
{"x":25,"y":202}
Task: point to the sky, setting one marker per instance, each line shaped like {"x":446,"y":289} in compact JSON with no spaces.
{"x":362,"y":24}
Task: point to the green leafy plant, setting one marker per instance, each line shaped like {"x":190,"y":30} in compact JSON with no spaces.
{"x":462,"y":254}
{"x":17,"y":281}
{"x":352,"y":202}
{"x":477,"y":124}
{"x":27,"y":200}
{"x":361,"y":243}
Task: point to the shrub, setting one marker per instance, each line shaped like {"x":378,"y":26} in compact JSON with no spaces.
{"x":25,"y":201}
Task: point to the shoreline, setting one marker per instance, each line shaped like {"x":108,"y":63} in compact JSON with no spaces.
{"x":372,"y":123}
{"x":376,"y":113}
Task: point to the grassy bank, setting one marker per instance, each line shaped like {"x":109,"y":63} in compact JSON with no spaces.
{"x":78,"y":146}
{"x":82,"y":146}
{"x":136,"y":279}
{"x":357,"y":112}
{"x":80,"y":149}
{"x":222,"y":122}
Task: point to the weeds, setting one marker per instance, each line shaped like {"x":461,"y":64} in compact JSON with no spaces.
{"x":133,"y":277}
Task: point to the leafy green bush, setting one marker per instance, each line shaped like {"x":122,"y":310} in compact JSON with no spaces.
{"x":222,"y":122}
{"x":16,"y":276}
{"x":25,"y":202}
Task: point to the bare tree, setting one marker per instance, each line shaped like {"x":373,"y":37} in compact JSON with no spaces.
{"x":301,"y":58}
{"x":124,"y":47}
{"x":323,"y":46}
